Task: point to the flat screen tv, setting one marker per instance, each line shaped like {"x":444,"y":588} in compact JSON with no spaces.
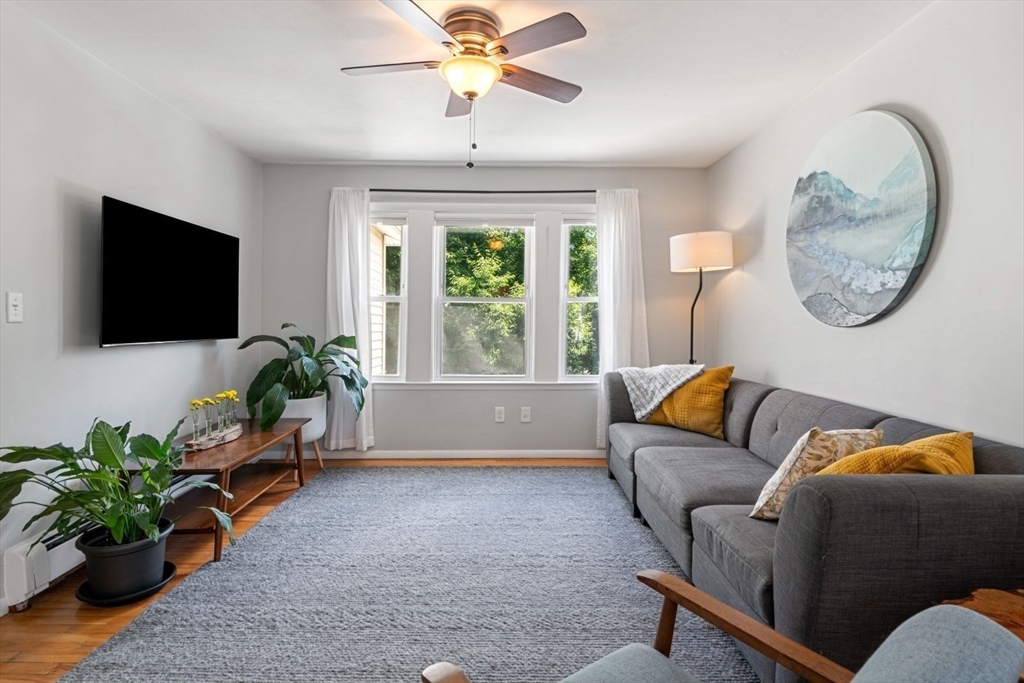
{"x":164,"y":279}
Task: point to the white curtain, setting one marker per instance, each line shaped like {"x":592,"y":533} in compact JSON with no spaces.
{"x":622,"y":313}
{"x":348,"y":310}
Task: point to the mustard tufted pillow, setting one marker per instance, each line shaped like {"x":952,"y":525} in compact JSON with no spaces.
{"x":951,"y":453}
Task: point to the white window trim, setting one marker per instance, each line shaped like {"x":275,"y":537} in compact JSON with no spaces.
{"x":402,"y":299}
{"x":439,"y":301}
{"x":565,"y":300}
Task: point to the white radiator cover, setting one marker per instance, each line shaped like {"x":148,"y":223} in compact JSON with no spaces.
{"x":29,"y":570}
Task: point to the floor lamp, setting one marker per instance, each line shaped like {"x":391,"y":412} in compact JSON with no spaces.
{"x":696,"y":252}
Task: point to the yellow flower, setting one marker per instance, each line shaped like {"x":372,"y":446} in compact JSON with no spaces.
{"x":208,"y":401}
{"x":235,"y":399}
{"x":195,"y":403}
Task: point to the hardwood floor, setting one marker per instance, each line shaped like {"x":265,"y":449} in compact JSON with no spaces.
{"x":58,"y":631}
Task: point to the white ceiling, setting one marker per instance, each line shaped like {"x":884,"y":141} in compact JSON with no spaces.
{"x":665,"y":83}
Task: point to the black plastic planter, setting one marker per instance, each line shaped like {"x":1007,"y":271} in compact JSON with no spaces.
{"x":123,"y":571}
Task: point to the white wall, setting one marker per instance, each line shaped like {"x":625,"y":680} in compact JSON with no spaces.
{"x":953,"y":353}
{"x":71,"y":131}
{"x":436,"y":418}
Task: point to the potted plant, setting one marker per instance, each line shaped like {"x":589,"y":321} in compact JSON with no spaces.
{"x":295,"y":385}
{"x":113,"y":492}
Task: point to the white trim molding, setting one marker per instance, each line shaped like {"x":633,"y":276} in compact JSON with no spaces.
{"x":461,"y":455}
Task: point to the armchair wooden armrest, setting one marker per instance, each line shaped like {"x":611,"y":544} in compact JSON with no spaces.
{"x":789,"y":653}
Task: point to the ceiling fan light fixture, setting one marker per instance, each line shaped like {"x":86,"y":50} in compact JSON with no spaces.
{"x":470,"y":76}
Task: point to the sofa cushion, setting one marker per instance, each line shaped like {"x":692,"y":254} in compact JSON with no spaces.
{"x":634,"y":662}
{"x":990,"y":457}
{"x":681,"y":480}
{"x":628,"y":437}
{"x":785,"y":416}
{"x":741,"y":403}
{"x":741,"y":548}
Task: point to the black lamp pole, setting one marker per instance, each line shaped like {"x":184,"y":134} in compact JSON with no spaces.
{"x":700,"y":286}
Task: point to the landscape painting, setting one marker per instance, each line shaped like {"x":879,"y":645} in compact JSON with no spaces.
{"x":861,"y":219}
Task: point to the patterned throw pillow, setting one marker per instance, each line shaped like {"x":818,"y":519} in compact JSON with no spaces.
{"x":813,"y":452}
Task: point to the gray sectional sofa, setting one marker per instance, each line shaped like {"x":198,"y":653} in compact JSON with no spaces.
{"x":851,"y":556}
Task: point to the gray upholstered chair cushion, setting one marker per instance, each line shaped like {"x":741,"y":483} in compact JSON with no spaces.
{"x":681,"y":480}
{"x":627,"y":438}
{"x":633,"y":663}
{"x":946,"y":643}
{"x":990,"y":457}
{"x":742,"y":399}
{"x":741,"y":549}
{"x":785,"y":416}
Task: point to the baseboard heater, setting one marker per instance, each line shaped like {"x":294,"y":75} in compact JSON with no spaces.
{"x":30,"y":569}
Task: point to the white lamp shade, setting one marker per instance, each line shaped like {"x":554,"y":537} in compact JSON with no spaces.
{"x":695,"y":250}
{"x":469,"y":76}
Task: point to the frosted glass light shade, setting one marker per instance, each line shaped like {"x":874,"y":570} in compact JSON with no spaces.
{"x":695,"y":250}
{"x":470,"y":76}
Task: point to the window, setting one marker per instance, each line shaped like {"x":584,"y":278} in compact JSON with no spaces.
{"x":387,"y":300}
{"x":484,"y":309}
{"x":579,"y":350}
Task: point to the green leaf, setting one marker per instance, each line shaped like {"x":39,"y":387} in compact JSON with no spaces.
{"x":10,"y":486}
{"x":107,"y":446}
{"x":123,"y":431}
{"x":355,"y":392}
{"x":224,"y":519}
{"x":313,"y":370}
{"x":285,"y":326}
{"x":306,"y":342}
{"x":206,"y":485}
{"x":173,"y":434}
{"x":269,"y":375}
{"x":294,"y":354}
{"x":145,"y":447}
{"x":274,"y":403}
{"x":342,"y":341}
{"x":19,"y":454}
{"x":263,"y":338}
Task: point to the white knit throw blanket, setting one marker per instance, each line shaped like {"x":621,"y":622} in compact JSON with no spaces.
{"x":648,"y":387}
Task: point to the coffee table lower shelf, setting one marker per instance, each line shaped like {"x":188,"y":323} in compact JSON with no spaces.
{"x":247,"y":483}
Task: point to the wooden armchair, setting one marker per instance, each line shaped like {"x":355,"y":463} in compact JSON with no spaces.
{"x":789,"y":653}
{"x":942,"y":643}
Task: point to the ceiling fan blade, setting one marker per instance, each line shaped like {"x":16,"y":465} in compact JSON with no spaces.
{"x":388,"y":68}
{"x":457,"y":106}
{"x":424,"y":23}
{"x":555,"y":30}
{"x":524,"y":79}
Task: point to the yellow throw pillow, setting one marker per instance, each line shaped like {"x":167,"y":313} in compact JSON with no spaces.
{"x":951,"y":453}
{"x":698,"y":405}
{"x":813,"y":452}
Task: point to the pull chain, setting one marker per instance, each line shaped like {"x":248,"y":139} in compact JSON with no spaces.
{"x":472,"y":131}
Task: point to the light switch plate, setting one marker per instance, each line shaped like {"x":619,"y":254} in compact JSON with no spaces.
{"x":15,"y":307}
{"x":499,"y":413}
{"x":524,"y":414}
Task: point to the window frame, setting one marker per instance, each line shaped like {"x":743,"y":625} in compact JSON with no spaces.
{"x":402,"y":299}
{"x":569,"y":222}
{"x":440,"y":299}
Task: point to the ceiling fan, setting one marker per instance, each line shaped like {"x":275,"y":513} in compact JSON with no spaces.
{"x":479,"y":54}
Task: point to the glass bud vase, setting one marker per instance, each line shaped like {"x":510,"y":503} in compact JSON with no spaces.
{"x":209,"y":420}
{"x":195,"y":424}
{"x":220,"y":416}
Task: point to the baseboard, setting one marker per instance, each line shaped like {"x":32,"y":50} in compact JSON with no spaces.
{"x":378,"y":454}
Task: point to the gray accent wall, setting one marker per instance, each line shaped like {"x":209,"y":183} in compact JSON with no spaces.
{"x":953,"y":353}
{"x":426,"y":417}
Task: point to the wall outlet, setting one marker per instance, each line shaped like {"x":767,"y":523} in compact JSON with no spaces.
{"x":499,"y":413}
{"x":524,"y":414}
{"x":15,"y":307}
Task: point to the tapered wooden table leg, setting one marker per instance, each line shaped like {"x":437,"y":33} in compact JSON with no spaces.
{"x":224,"y":481}
{"x":319,"y":458}
{"x":299,"y":458}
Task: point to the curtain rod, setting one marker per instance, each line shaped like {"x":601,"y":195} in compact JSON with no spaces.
{"x":391,"y":189}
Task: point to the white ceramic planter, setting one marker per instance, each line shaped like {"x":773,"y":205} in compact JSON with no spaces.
{"x":314,"y":408}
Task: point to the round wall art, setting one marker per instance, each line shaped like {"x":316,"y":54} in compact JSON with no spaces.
{"x":861,"y":219}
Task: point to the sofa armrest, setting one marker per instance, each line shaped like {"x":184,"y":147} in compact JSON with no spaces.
{"x":855,"y":556}
{"x":620,"y":408}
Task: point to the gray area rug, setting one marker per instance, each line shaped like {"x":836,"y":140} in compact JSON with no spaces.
{"x":366,"y":575}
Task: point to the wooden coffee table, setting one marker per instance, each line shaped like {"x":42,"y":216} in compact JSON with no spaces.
{"x":245,"y":480}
